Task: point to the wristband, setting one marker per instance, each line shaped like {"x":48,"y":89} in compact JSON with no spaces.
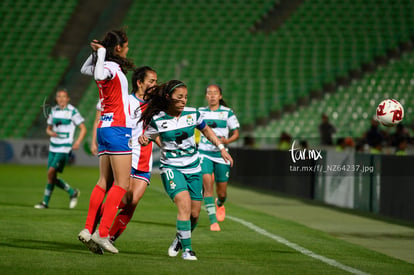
{"x":220,"y":146}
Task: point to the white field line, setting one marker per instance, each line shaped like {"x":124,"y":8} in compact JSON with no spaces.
{"x":296,"y":247}
{"x":288,"y":243}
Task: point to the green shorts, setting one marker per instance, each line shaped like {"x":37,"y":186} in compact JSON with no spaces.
{"x":221,"y":171}
{"x":175,"y":182}
{"x":57,"y":161}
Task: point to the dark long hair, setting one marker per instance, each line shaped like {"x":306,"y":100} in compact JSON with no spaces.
{"x":221,"y":101}
{"x":139,"y":74}
{"x":157,"y":99}
{"x":112,"y":39}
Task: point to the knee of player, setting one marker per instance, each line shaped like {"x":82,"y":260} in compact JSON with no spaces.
{"x":221,"y":194}
{"x":135,"y":200}
{"x":194,"y":219}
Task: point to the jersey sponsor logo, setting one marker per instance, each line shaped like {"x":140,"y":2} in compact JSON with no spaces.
{"x":62,"y":135}
{"x":107,"y":117}
{"x":164,"y":125}
{"x":212,"y":124}
{"x":180,"y":136}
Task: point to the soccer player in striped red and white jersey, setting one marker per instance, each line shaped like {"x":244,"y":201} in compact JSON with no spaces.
{"x":143,"y":78}
{"x":108,"y":64}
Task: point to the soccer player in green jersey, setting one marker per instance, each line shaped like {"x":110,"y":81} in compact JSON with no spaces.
{"x":168,"y":119}
{"x":61,"y":126}
{"x":225,"y":125}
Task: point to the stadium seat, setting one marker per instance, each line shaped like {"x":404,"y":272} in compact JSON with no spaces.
{"x":319,"y":42}
{"x":30,"y":30}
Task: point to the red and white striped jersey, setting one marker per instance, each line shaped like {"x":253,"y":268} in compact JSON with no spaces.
{"x":141,"y":155}
{"x":113,"y":96}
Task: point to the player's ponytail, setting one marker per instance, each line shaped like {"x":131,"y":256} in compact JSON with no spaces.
{"x":112,"y":39}
{"x":223,"y":103}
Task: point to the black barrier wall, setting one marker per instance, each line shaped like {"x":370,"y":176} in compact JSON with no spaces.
{"x":272,"y":170}
{"x":397,"y":187}
{"x":387,"y":190}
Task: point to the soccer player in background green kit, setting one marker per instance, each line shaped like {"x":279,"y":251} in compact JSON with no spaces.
{"x":168,"y":118}
{"x":61,"y":126}
{"x":225,"y":125}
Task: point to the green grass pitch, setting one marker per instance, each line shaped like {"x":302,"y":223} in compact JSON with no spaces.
{"x":34,"y":241}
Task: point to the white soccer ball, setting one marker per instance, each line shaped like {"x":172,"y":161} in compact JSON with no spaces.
{"x":390,"y":112}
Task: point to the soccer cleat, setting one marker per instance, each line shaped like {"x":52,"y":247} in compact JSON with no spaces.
{"x":104,"y":242}
{"x":215,"y":227}
{"x":41,"y":205}
{"x":220,"y":212}
{"x":189,"y":255}
{"x":175,"y":247}
{"x":73,"y":201}
{"x":86,"y":238}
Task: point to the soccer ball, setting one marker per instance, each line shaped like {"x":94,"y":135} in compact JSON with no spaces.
{"x":390,"y":112}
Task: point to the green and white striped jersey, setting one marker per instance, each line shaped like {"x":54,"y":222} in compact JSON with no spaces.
{"x":222,"y":121}
{"x":63,"y":122}
{"x":178,"y":147}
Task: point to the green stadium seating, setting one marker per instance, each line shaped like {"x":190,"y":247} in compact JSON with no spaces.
{"x":351,"y":108}
{"x":29,"y":31}
{"x":260,"y":73}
